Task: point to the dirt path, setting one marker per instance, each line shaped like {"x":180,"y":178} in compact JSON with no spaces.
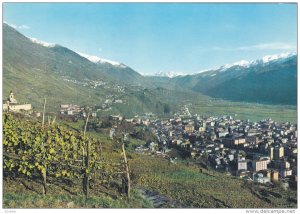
{"x":158,"y":200}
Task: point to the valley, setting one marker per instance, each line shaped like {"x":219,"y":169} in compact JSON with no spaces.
{"x":101,"y":135}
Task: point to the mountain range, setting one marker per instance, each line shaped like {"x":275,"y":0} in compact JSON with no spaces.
{"x":242,"y":63}
{"x":37,"y":69}
{"x":270,"y":80}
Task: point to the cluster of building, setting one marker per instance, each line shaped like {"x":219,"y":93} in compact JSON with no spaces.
{"x":74,"y":110}
{"x":115,"y":89}
{"x":71,"y":109}
{"x":95,"y":84}
{"x":85,"y":82}
{"x":109,"y":101}
{"x":263,"y":152}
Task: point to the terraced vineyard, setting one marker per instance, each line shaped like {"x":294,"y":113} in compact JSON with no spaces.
{"x":191,"y":188}
{"x":54,"y":166}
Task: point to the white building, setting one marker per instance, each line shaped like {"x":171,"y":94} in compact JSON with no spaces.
{"x":11,"y":105}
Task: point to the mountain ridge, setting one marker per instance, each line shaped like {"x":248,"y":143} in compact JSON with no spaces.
{"x":269,"y":82}
{"x":242,"y":63}
{"x":121,"y":73}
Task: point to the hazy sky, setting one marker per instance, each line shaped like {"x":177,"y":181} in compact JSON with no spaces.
{"x":153,"y":37}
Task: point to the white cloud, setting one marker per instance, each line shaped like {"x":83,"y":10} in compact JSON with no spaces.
{"x":268,"y":46}
{"x":23,"y":27}
{"x":263,"y":46}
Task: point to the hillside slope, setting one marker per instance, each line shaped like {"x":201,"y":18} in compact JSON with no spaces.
{"x":34,"y":71}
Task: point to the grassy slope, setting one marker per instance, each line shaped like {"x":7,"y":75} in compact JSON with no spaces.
{"x":34,"y":72}
{"x":33,"y":88}
{"x":189,"y":187}
{"x":22,"y":193}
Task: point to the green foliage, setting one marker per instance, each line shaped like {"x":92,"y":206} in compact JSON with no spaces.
{"x":144,"y":134}
{"x":54,"y":151}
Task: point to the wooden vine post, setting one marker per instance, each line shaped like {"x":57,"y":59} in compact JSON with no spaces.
{"x":127,"y":169}
{"x":44,"y":169}
{"x":44,"y":181}
{"x":44,"y":113}
{"x":86,"y":162}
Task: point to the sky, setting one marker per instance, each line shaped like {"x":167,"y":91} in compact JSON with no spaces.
{"x":154,"y":37}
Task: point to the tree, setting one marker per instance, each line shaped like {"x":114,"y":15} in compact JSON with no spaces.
{"x":167,"y":109}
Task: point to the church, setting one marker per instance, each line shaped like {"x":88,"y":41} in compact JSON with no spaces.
{"x":11,"y":105}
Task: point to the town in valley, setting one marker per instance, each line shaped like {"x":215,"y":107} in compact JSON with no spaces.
{"x":261,"y":152}
{"x":150,"y":105}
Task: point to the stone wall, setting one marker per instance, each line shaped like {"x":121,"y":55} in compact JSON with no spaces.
{"x":16,"y":108}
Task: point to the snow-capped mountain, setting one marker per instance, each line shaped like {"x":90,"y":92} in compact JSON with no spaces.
{"x":94,"y":59}
{"x":35,"y":56}
{"x":266,"y":59}
{"x":45,"y":44}
{"x":271,"y":79}
{"x":98,"y":60}
{"x":242,"y":63}
{"x":169,"y":74}
{"x":270,"y":58}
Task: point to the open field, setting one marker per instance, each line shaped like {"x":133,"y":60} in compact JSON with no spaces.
{"x":244,"y":111}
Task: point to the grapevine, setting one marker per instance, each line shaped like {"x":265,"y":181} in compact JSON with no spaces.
{"x":32,"y":149}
